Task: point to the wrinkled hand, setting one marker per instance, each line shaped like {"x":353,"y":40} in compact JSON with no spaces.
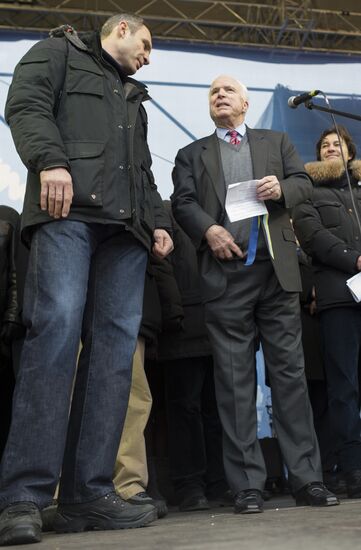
{"x":163,"y":243}
{"x":222,"y":243}
{"x":358,"y":265}
{"x":56,"y":193}
{"x":268,"y":188}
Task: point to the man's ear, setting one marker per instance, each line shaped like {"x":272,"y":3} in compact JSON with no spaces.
{"x":245,"y":106}
{"x":122,"y":29}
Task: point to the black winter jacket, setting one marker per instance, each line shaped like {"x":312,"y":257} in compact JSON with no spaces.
{"x":10,"y":324}
{"x":192,"y":339}
{"x":67,"y":106}
{"x":327,"y":230}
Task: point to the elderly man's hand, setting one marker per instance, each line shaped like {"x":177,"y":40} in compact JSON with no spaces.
{"x":163,"y":243}
{"x":268,"y":188}
{"x":56,"y":193}
{"x":222,"y":243}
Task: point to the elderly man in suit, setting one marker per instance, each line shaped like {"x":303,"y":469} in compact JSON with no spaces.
{"x":250,"y":281}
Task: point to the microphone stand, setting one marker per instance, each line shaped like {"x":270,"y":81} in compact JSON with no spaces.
{"x":310,"y":105}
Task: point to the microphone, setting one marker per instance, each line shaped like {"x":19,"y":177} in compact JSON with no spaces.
{"x":296,"y":100}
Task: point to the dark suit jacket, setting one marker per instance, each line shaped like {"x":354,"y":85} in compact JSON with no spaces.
{"x":199,"y":197}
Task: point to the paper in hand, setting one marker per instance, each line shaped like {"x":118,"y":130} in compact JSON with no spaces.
{"x":242,"y":202}
{"x":354,"y":286}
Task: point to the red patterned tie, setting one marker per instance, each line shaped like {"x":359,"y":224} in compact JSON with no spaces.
{"x":235,"y":137}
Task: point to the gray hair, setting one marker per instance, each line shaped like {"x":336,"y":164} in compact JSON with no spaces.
{"x":134,"y":23}
{"x":244,"y":90}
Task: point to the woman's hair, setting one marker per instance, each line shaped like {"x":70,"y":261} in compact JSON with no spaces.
{"x":344,"y":135}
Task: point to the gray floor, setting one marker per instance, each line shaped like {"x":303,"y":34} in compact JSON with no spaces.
{"x":281,"y":526}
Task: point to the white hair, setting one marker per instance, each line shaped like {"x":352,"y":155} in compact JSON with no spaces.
{"x":244,"y":91}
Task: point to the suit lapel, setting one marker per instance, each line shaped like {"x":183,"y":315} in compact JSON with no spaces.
{"x":212,"y":161}
{"x":259,"y":152}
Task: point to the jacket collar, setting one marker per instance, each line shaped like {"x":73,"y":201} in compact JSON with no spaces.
{"x":132,"y":88}
{"x":327,"y":171}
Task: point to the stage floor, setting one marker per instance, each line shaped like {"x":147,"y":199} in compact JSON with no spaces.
{"x":282,"y":526}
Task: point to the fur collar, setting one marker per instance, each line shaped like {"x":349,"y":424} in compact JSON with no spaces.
{"x":326,"y":170}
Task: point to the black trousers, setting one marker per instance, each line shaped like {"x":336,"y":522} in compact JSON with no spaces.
{"x":194,"y":429}
{"x":7,"y":383}
{"x":341,"y":345}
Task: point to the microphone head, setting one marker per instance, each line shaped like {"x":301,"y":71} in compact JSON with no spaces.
{"x":290,"y":102}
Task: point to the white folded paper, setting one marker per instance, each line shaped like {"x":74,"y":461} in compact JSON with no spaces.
{"x":354,"y":285}
{"x":242,"y":201}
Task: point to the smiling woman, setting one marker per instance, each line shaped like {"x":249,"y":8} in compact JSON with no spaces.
{"x":328,"y":231}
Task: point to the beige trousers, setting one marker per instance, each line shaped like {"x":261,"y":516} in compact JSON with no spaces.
{"x":131,"y":472}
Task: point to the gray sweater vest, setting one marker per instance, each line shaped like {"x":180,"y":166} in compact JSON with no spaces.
{"x":237,"y":166}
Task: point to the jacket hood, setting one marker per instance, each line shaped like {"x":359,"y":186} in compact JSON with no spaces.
{"x":325,"y":170}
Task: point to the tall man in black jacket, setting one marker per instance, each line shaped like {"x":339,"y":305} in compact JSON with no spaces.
{"x":242,"y":296}
{"x":91,"y":214}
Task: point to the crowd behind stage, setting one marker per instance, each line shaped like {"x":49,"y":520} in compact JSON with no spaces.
{"x":112,"y":299}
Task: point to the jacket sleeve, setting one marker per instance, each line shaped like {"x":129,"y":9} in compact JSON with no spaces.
{"x":320,"y":243}
{"x":296,"y":185}
{"x":32,"y":99}
{"x":161,"y":217}
{"x":162,"y":220}
{"x":185,"y":204}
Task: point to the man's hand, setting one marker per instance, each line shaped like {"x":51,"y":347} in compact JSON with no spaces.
{"x":268,"y":188}
{"x":163,"y":244}
{"x":222,"y":243}
{"x":56,"y":192}
{"x":358,"y":265}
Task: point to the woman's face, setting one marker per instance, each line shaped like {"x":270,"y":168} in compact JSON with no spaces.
{"x":331,"y":150}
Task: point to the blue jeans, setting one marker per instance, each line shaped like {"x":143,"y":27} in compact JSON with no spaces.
{"x":341,"y":345}
{"x":84,"y":282}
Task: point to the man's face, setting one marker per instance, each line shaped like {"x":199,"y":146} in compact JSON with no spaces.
{"x":132,"y":50}
{"x":331,"y":150}
{"x":227,"y":103}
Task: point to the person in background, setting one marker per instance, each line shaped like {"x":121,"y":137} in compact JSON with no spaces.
{"x":194,"y":428}
{"x":328,"y":231}
{"x":11,"y":328}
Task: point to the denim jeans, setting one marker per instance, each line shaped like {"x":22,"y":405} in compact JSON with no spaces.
{"x":341,"y":345}
{"x":84,"y":281}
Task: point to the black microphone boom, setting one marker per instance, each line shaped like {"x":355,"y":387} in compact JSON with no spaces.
{"x":296,"y":100}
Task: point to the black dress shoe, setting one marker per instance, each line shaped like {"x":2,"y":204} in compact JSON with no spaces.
{"x":315,"y":494}
{"x":249,"y":501}
{"x":221,"y":500}
{"x":143,"y":498}
{"x":194,"y":503}
{"x":107,"y":512}
{"x":353,"y":483}
{"x":20,"y":523}
{"x":335,"y":482}
{"x":47,"y":517}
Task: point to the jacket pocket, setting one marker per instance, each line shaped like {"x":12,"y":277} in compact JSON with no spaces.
{"x":84,"y":78}
{"x":330,"y":213}
{"x":289,"y":235}
{"x":86,"y":159}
